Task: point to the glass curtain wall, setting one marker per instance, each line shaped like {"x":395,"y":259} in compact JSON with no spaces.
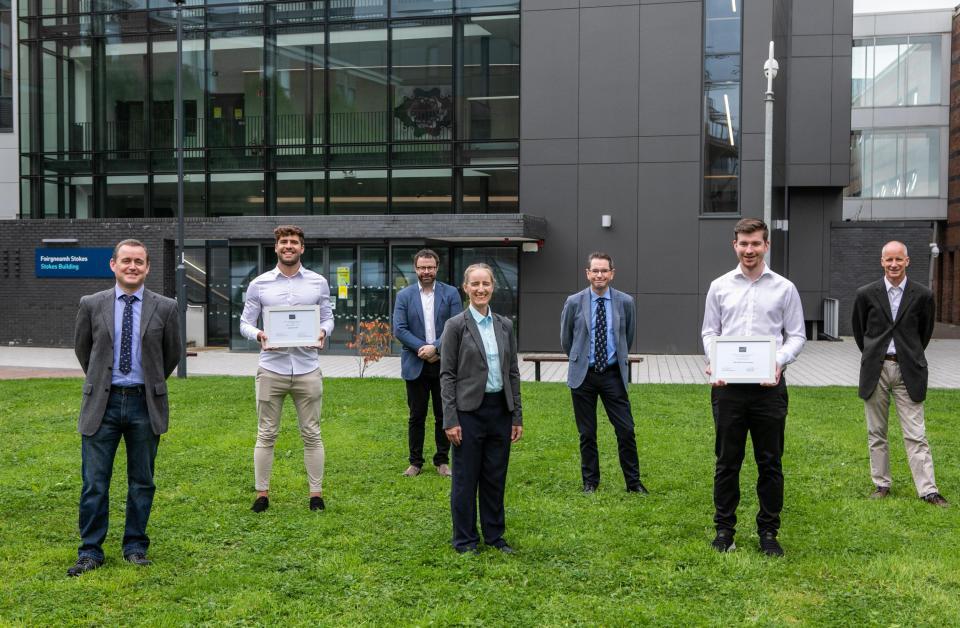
{"x":896,"y":71}
{"x":721,"y":106}
{"x":894,"y":163}
{"x":346,"y":107}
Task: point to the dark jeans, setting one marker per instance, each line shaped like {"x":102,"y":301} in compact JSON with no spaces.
{"x":419,"y":392}
{"x":125,"y":417}
{"x":480,"y":464}
{"x":609,"y":387}
{"x":739,"y":409}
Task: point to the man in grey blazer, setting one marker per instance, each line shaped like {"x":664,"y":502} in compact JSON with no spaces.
{"x":892,"y":323}
{"x":127,"y":340}
{"x":596,"y":331}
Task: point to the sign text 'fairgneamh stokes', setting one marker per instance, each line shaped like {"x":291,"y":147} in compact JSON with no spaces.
{"x":87,"y":262}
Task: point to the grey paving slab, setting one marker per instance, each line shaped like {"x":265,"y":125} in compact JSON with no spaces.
{"x":820,"y":364}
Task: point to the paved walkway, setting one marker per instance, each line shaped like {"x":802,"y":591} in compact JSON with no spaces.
{"x":820,"y":364}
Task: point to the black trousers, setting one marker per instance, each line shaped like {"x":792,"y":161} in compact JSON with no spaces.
{"x":419,"y":392}
{"x":480,"y":466}
{"x":761,"y":411}
{"x":609,"y":387}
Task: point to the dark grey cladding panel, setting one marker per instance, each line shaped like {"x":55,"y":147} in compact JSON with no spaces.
{"x":549,"y":88}
{"x":810,"y":110}
{"x":813,"y":17}
{"x":668,"y":324}
{"x":610,"y":189}
{"x":609,"y":66}
{"x":668,"y":215}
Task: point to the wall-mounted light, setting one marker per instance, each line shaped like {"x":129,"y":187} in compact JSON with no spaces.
{"x":606,"y":221}
{"x":60,"y":240}
{"x":530,"y":247}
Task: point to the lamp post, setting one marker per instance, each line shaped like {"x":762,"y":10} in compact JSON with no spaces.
{"x":178,"y":130}
{"x":770,"y":68}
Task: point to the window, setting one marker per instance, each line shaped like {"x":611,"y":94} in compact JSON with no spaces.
{"x":894,"y":163}
{"x":721,"y":106}
{"x":6,"y":68}
{"x":896,"y":71}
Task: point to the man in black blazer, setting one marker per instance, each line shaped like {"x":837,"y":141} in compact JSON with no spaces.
{"x":892,"y":324}
{"x":127,"y":340}
{"x":596,"y":330}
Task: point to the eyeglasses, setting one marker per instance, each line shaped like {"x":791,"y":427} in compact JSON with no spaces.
{"x":599,"y":271}
{"x":426,"y":268}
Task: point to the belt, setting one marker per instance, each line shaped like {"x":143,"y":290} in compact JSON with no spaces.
{"x":127,"y":390}
{"x":890,"y":357}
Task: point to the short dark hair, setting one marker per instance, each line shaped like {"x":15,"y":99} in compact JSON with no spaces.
{"x":599,"y":255}
{"x":288,"y":230}
{"x":426,"y":253}
{"x":751,"y":225}
{"x":129,"y":242}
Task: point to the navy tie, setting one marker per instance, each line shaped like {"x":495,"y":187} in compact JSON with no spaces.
{"x":126,"y":334}
{"x":600,"y":338}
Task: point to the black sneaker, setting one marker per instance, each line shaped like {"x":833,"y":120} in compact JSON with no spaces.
{"x":316,"y":503}
{"x":83,"y":565}
{"x":723,"y":542}
{"x":769,"y":544}
{"x":260,"y":504}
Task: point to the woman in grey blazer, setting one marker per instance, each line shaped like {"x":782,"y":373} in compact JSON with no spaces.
{"x":480,"y":389}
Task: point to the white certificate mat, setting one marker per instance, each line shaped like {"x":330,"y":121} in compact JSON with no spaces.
{"x":291,"y":325}
{"x":743,"y":359}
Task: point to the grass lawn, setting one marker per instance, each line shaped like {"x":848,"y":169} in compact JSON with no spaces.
{"x":380,"y":553}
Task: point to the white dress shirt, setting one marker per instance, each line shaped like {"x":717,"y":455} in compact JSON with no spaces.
{"x":768,"y":306}
{"x":271,"y":288}
{"x":894,"y":294}
{"x":426,"y":301}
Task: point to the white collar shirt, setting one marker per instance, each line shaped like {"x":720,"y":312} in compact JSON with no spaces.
{"x":272,"y":288}
{"x":767,"y":306}
{"x":426,"y":301}
{"x":894,"y":295}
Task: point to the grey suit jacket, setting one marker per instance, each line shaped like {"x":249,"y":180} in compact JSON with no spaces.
{"x":874,"y":326}
{"x":159,"y":349}
{"x":575,"y":336}
{"x":463,"y":367}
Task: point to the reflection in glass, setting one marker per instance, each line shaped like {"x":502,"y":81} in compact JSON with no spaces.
{"x":126,"y":197}
{"x":493,"y":190}
{"x":894,"y":163}
{"x":342,"y":277}
{"x":358,"y":83}
{"x":358,"y":191}
{"x":896,"y":71}
{"x":423,"y":191}
{"x":357,"y":9}
{"x":236,"y":194}
{"x":163,"y":88}
{"x":235,"y":84}
{"x":722,"y":26}
{"x":374,"y":289}
{"x":299,"y":90}
{"x":414,"y":8}
{"x":721,"y":106}
{"x":165,"y":195}
{"x":489,"y":103}
{"x":422,"y":79}
{"x":300,"y":193}
{"x":243,"y":270}
{"x":124,"y":108}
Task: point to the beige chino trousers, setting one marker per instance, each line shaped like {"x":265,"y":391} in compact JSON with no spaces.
{"x":307,"y":393}
{"x":877,"y":409}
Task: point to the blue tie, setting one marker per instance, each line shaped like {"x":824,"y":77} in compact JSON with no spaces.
{"x":126,"y":334}
{"x":600,"y":337}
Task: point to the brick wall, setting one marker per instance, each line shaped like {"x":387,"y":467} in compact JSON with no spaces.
{"x":855,"y":257}
{"x":947,"y":284}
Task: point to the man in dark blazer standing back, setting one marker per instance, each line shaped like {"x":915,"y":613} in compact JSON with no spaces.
{"x":596,"y":331}
{"x":892,"y":324}
{"x":419,"y":315}
{"x":127,"y":340}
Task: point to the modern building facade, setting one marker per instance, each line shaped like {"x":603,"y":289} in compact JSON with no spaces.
{"x":899,"y":148}
{"x":521,"y":134}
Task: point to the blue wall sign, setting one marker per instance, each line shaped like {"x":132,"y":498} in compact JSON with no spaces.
{"x":73,"y":262}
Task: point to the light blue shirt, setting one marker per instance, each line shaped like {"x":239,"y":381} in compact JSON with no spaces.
{"x":489,"y":337}
{"x":611,"y":345}
{"x":135,"y":376}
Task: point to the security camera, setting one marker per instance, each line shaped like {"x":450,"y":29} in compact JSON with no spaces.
{"x":934,"y":250}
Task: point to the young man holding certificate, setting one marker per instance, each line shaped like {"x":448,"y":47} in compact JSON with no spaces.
{"x":293,"y":369}
{"x":751,"y":301}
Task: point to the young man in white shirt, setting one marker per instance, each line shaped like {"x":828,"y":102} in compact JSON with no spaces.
{"x":293,"y":371}
{"x":751,"y":300}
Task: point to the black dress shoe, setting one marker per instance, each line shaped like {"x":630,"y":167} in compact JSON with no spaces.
{"x":260,"y":504}
{"x":638,"y":487}
{"x":506,"y":549}
{"x":589,"y":488}
{"x":316,"y":503}
{"x":137,"y":558}
{"x":83,"y":565}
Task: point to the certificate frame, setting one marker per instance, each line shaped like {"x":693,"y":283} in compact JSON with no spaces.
{"x":757,"y":363}
{"x":281,"y":333}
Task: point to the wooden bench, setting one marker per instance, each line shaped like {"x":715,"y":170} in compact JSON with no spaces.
{"x":537,"y":358}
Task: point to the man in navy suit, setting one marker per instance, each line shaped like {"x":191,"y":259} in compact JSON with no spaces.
{"x":596,"y":330}
{"x":420,"y":312}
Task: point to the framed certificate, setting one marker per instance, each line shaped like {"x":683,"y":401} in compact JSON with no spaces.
{"x":291,"y":325}
{"x":743,"y":359}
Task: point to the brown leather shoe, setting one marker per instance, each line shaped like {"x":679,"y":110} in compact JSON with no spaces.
{"x":444,"y":470}
{"x":880,"y":492}
{"x":936,"y":499}
{"x":412,"y":471}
